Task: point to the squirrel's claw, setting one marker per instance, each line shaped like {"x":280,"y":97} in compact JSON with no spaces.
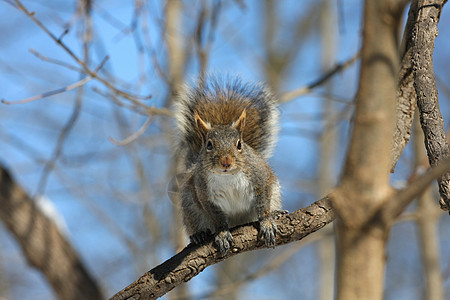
{"x":224,"y":241}
{"x":200,"y":237}
{"x":268,"y":231}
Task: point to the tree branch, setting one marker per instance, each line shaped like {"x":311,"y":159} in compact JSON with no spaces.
{"x":424,"y":34}
{"x":70,"y":87}
{"x":270,"y":266}
{"x":194,"y":259}
{"x":406,"y":94}
{"x":428,"y":219}
{"x":133,"y":98}
{"x":397,"y":203}
{"x":288,"y":96}
{"x":44,"y":246}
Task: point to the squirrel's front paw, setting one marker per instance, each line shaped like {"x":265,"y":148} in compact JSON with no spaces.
{"x":224,"y":240}
{"x":268,"y":231}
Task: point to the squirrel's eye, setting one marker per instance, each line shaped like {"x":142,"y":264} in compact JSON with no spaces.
{"x":209,"y":145}
{"x":239,"y":145}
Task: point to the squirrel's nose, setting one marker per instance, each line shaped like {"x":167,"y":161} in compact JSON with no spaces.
{"x":226,"y":161}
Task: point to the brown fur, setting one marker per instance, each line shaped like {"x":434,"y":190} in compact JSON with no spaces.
{"x":217,"y":103}
{"x":227,"y":131}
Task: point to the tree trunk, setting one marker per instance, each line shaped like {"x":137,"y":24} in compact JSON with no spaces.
{"x":361,"y":262}
{"x":365,"y":183}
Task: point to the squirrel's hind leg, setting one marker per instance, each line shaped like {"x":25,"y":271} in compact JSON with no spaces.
{"x":197,"y":226}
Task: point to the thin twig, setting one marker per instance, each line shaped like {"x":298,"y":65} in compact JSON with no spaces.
{"x":146,"y":35}
{"x":50,"y":165}
{"x":203,"y":42}
{"x":144,"y":110}
{"x":50,"y":93}
{"x":133,"y":98}
{"x":288,"y":96}
{"x":133,"y":136}
{"x":57,"y":91}
{"x":55,"y":61}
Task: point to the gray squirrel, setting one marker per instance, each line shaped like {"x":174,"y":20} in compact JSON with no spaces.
{"x":227,"y":131}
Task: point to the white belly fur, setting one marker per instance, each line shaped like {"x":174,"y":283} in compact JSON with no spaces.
{"x":233,"y":193}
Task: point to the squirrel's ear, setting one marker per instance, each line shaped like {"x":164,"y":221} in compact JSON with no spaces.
{"x":240,"y":123}
{"x":202,"y":126}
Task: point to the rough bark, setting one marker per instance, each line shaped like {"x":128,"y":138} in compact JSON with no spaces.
{"x":43,"y":244}
{"x":406,"y":94}
{"x":424,"y":34}
{"x":365,"y":183}
{"x":194,"y":259}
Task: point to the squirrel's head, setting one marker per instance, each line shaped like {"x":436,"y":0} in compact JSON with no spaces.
{"x":222,"y":144}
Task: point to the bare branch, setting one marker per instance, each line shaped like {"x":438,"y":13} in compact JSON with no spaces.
{"x":56,"y":61}
{"x":50,"y":93}
{"x":45,"y":247}
{"x":194,"y":259}
{"x":270,"y":266}
{"x":133,"y":98}
{"x":427,"y":214}
{"x":144,"y":110}
{"x":87,"y":35}
{"x":406,"y":94}
{"x":288,"y":96}
{"x":135,"y":135}
{"x":204,"y":36}
{"x":424,"y":34}
{"x":395,"y":205}
{"x":58,"y":91}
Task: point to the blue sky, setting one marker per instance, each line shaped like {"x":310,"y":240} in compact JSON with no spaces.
{"x":95,"y":182}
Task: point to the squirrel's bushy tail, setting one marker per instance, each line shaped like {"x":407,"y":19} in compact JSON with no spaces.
{"x":221,"y":102}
